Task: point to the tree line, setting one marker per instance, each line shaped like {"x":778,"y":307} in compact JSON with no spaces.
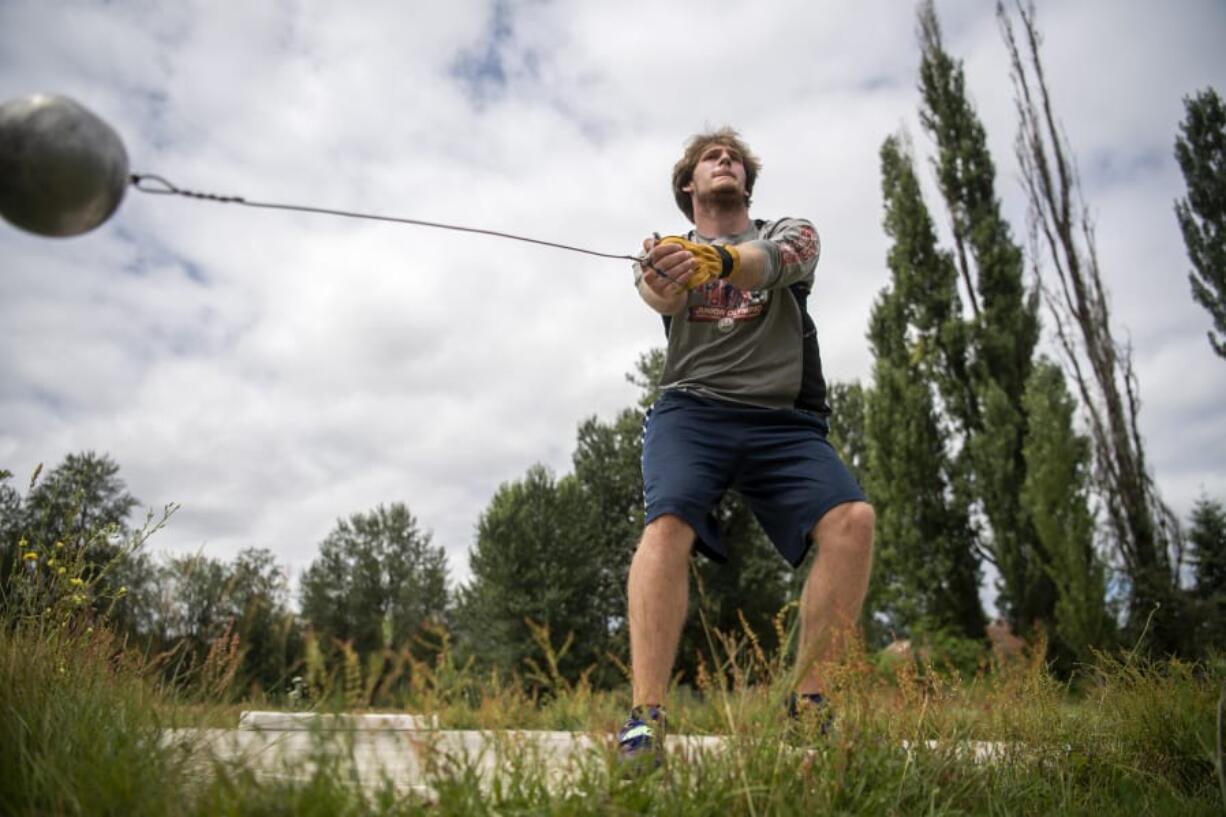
{"x":978,"y":451}
{"x":972,"y":451}
{"x":550,"y":557}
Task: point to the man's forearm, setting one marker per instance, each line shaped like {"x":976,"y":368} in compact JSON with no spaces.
{"x":754,"y":270}
{"x":755,"y":264}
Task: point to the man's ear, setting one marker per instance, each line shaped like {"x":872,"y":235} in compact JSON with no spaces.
{"x":689,"y":188}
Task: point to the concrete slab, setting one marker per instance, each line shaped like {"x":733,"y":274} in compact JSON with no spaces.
{"x":310,"y":721}
{"x":408,"y":758}
{"x":408,"y":751}
{"x":981,"y":751}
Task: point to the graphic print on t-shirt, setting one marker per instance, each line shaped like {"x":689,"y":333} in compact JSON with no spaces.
{"x":725,"y":304}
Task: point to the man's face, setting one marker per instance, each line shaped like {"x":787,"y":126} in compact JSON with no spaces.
{"x":719,"y":176}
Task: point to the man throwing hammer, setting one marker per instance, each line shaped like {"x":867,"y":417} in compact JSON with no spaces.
{"x":742,"y":406}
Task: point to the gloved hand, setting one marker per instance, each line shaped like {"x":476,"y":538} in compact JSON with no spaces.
{"x":711,"y":261}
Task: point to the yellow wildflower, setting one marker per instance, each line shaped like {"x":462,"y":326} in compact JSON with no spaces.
{"x":77,"y":598}
{"x":31,"y":556}
{"x":59,"y":544}
{"x":51,"y":561}
{"x":76,"y":581}
{"x":62,"y":571}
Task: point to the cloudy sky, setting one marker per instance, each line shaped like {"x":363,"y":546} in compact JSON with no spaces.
{"x":272,"y":372}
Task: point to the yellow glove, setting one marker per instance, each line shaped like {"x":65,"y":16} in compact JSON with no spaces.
{"x":711,"y":261}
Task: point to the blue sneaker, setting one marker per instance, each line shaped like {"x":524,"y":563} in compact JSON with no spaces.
{"x":811,"y":707}
{"x":640,"y":741}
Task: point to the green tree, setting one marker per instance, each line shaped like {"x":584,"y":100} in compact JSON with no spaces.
{"x":847,"y":426}
{"x":928,"y":570}
{"x":987,"y":396}
{"x":1056,"y":494}
{"x":194,"y":609}
{"x":373,"y":568}
{"x":11,"y":532}
{"x":648,"y":370}
{"x":531,"y":563}
{"x":79,"y":497}
{"x":608,"y":474}
{"x":1207,"y":540}
{"x":84,"y":505}
{"x":136,"y":611}
{"x":1201,"y":152}
{"x":269,"y":632}
{"x":204,"y":600}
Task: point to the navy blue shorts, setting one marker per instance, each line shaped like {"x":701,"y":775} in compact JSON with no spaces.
{"x":695,"y":449}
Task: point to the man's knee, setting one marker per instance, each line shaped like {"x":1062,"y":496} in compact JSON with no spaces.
{"x":847,"y":528}
{"x":669,"y":532}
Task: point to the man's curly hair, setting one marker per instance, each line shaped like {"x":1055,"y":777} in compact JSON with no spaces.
{"x":683,"y":171}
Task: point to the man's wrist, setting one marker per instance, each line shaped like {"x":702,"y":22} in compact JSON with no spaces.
{"x":729,"y":260}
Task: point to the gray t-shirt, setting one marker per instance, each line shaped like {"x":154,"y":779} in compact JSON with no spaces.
{"x":751,"y":346}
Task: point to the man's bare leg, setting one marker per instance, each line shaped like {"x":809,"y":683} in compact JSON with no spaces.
{"x":834,"y":591}
{"x":658,"y":596}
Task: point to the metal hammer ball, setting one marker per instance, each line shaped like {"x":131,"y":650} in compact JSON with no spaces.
{"x":63,"y":171}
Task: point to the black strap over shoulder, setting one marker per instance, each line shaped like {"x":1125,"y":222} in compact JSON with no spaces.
{"x":812,"y":395}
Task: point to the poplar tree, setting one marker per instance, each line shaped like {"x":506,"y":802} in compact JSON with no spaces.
{"x":1145,"y":533}
{"x":986,"y":389}
{"x":928,"y":571}
{"x":1056,"y":495}
{"x":1201,"y":151}
{"x":847,"y":426}
{"x":1207,"y":538}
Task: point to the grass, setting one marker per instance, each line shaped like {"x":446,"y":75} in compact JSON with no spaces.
{"x":81,"y":719}
{"x":84,"y":720}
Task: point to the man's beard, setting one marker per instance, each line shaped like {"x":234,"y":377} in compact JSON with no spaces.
{"x":723,"y":200}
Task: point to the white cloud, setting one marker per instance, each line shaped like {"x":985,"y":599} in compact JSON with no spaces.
{"x":274,"y":371}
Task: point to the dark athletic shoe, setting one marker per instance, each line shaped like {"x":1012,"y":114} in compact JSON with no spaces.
{"x":640,"y":742}
{"x":810,"y":708}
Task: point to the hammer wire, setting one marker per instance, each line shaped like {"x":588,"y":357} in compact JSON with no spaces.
{"x":150,"y":183}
